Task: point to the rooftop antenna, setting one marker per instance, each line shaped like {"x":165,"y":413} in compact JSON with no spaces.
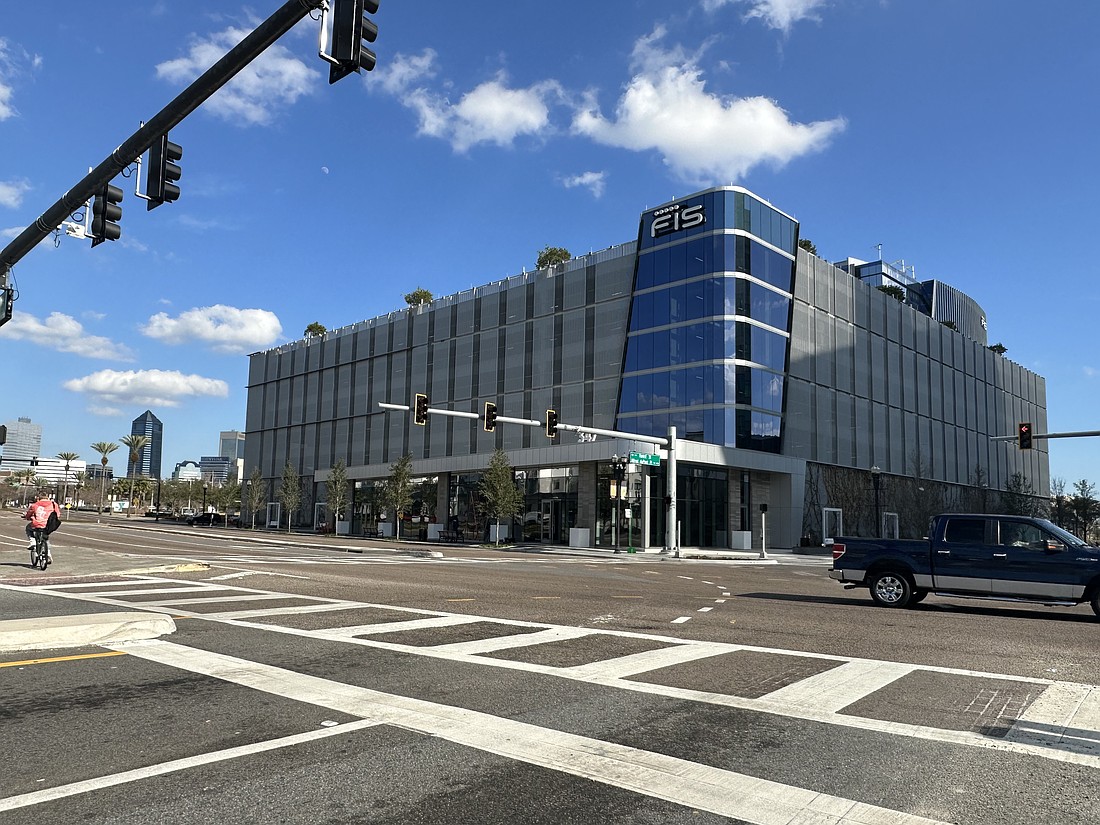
{"x":878,"y":246}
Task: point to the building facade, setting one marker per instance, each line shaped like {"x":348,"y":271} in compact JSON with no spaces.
{"x":231,"y":446}
{"x":24,"y":441}
{"x":148,"y":464}
{"x":776,"y":369}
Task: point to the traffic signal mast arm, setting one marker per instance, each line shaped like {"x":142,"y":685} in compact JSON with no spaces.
{"x":263,"y":36}
{"x":530,"y":422}
{"x":1082,"y":434}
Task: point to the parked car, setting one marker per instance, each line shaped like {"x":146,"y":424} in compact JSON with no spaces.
{"x":1012,"y":558}
{"x":213,"y":520}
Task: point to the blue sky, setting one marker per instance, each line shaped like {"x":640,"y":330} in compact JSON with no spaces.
{"x":959,"y":135}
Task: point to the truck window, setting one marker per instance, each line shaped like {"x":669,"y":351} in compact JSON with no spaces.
{"x":965,"y":531}
{"x":1021,"y":534}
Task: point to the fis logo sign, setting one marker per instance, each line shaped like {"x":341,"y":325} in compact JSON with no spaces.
{"x":675,"y":218}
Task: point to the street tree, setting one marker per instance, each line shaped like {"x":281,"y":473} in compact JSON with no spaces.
{"x":1059,"y":502}
{"x":1085,"y":507}
{"x":336,"y":492}
{"x":67,"y":457}
{"x":1018,"y":498}
{"x":136,"y":443}
{"x":257,"y":493}
{"x":552,"y":255}
{"x":289,"y":492}
{"x":104,"y":448}
{"x":397,"y":492}
{"x":500,"y":494}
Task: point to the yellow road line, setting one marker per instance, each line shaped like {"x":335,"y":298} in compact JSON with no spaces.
{"x":63,"y":659}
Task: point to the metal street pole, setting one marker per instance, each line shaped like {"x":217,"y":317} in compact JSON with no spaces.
{"x":251,"y":47}
{"x":875,"y":472}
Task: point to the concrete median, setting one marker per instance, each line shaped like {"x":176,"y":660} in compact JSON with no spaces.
{"x":53,"y":632}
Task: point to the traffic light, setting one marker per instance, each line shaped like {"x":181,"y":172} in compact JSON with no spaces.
{"x":490,"y":416}
{"x":551,"y":423}
{"x":164,"y":171}
{"x":350,"y":27}
{"x":7,"y":307}
{"x":420,"y":409}
{"x":106,"y":214}
{"x":1023,"y":435}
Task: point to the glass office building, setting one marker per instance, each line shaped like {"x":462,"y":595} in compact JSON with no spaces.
{"x":771,"y":364}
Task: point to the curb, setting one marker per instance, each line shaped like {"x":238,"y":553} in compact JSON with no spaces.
{"x":52,"y":632}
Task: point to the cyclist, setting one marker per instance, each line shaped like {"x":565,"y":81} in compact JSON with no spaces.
{"x":38,"y":516}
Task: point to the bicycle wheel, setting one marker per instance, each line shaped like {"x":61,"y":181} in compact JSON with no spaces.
{"x":41,"y":549}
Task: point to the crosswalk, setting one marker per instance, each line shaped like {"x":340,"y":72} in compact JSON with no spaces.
{"x":1037,"y":717}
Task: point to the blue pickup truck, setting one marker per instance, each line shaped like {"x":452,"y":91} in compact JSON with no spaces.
{"x":1012,"y":558}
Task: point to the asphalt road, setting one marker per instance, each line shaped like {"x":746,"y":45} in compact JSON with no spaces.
{"x":306,"y":683}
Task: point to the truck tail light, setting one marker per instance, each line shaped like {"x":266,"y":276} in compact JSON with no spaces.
{"x":838,"y":550}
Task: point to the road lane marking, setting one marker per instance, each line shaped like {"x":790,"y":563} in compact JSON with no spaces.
{"x":1065,"y":716}
{"x":481,"y":646}
{"x":239,"y":575}
{"x":1062,"y":751}
{"x":111,"y":780}
{"x":462,"y":600}
{"x":834,"y":689}
{"x":394,"y":627}
{"x":680,"y":781}
{"x":536,"y":598}
{"x":704,"y":610}
{"x":62,"y":659}
{"x":647,"y":660}
{"x":681,"y":620}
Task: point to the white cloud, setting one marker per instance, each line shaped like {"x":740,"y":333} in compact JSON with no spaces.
{"x":276,"y":78}
{"x":6,"y":90}
{"x":776,"y":14}
{"x":63,"y":333}
{"x":11,"y":232}
{"x":223,"y":328}
{"x":594,"y":181}
{"x":144,"y":388}
{"x":12,"y":192}
{"x":703,"y":137}
{"x":490,"y":113}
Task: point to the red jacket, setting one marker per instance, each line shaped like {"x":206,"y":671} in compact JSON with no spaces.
{"x":39,"y":512}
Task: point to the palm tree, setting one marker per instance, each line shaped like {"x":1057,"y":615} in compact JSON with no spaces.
{"x":136,"y":443}
{"x":104,"y":448}
{"x":66,"y":457}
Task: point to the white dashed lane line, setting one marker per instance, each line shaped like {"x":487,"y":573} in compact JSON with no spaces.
{"x":681,"y":620}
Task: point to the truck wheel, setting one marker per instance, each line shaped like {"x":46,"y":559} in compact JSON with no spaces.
{"x":890,"y":589}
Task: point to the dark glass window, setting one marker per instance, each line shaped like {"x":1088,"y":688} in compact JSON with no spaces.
{"x":761,"y":347}
{"x":965,"y":531}
{"x":758,"y":431}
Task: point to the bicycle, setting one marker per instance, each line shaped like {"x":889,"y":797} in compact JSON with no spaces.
{"x":40,"y":553}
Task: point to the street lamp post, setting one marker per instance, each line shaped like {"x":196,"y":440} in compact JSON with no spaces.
{"x":204,"y":496}
{"x":875,"y":481}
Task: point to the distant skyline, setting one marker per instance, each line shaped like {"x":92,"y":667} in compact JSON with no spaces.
{"x":927,"y":133}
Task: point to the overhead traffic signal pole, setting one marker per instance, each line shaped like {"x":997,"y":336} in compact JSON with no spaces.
{"x":253,"y":45}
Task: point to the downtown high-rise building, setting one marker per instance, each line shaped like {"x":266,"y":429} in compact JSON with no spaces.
{"x":24,"y":440}
{"x":148,"y":463}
